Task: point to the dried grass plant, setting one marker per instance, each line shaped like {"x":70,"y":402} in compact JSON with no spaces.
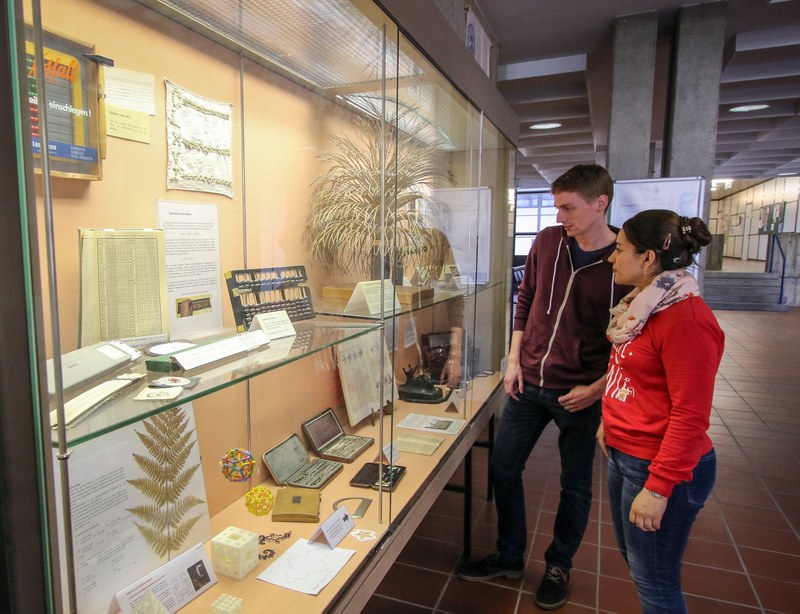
{"x":343,"y":228}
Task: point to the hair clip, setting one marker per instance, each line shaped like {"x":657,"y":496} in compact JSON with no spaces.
{"x":687,"y":230}
{"x":667,"y":241}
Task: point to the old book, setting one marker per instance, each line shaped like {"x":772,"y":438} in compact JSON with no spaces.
{"x":343,"y":292}
{"x":296,"y":505}
{"x":413,"y":296}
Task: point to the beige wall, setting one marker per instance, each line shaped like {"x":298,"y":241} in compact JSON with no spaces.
{"x":285,"y":127}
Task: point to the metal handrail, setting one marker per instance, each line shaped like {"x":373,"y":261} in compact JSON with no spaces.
{"x":777,"y":241}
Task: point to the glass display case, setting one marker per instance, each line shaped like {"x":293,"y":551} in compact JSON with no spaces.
{"x":246,"y":213}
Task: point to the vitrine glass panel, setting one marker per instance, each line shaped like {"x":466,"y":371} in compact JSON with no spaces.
{"x":295,"y":211}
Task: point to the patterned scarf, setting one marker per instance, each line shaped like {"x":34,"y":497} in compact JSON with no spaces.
{"x":630,"y":315}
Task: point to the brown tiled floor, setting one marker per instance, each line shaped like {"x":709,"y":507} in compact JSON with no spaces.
{"x":744,"y":553}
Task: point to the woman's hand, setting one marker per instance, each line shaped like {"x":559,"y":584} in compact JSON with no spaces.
{"x":647,"y":510}
{"x":580,"y":397}
{"x":601,"y":439}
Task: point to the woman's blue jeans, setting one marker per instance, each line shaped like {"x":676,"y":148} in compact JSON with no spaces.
{"x":522,"y":423}
{"x":654,"y":557}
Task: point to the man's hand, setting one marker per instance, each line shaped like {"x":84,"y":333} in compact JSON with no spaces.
{"x":579,"y":398}
{"x":512,"y":381}
{"x":647,"y":510}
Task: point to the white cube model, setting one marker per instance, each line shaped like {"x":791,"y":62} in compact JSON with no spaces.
{"x":227,"y":604}
{"x":234,"y":552}
{"x":149,"y":604}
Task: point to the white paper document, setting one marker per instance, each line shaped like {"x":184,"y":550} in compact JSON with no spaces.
{"x":110,"y":539}
{"x":174,"y":584}
{"x":193,"y":275}
{"x":306,"y":567}
{"x":418,"y":444}
{"x":410,"y":333}
{"x":367,"y":296}
{"x":130,"y":90}
{"x":432,"y":424}
{"x":123,"y":289}
{"x":359,"y":362}
{"x":334,"y":529}
{"x":275,"y":323}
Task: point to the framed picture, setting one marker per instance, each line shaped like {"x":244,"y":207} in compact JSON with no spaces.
{"x":72,"y":112}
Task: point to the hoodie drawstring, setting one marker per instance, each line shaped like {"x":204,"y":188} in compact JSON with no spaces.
{"x":553,"y":283}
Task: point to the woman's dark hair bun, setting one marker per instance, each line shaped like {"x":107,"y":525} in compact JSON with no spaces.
{"x":698,"y":236}
{"x":674,"y":238}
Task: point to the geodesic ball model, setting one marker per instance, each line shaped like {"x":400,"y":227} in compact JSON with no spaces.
{"x":237,"y":465}
{"x":259,"y":501}
{"x":227,"y":604}
{"x":234,"y":552}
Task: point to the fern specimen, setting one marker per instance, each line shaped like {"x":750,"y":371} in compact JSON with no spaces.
{"x":343,"y":228}
{"x":168,"y":441}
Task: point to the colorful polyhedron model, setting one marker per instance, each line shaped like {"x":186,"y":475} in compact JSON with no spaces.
{"x":227,"y":604}
{"x":149,"y":604}
{"x":234,"y":552}
{"x":259,"y":501}
{"x":237,"y":465}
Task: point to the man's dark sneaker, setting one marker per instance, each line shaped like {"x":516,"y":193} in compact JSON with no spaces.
{"x":554,"y":588}
{"x":490,"y":567}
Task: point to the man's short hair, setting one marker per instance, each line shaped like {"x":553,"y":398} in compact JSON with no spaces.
{"x":589,"y":180}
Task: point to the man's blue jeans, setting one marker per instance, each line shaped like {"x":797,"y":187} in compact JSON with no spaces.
{"x":522,"y":423}
{"x":654,"y":557}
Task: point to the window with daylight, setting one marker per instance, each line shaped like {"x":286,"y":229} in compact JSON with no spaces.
{"x":534,"y":211}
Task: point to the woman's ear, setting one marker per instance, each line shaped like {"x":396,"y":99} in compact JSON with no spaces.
{"x":650,"y":258}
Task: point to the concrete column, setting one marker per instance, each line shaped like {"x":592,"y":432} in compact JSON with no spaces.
{"x":634,"y":61}
{"x":691,"y":137}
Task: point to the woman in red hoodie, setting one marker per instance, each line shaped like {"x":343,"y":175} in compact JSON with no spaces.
{"x":667,"y":346}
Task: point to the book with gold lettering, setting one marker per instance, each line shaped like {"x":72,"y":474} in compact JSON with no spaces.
{"x":296,"y":505}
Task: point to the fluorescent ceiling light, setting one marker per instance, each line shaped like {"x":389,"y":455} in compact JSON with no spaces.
{"x":786,"y":174}
{"x":725,"y":183}
{"x":545,"y":126}
{"x":746,"y":108}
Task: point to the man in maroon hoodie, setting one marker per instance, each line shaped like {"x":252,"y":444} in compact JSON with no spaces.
{"x":556,"y":371}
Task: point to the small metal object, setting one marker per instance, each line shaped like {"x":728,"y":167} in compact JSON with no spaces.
{"x":360,"y":510}
{"x":275,"y":538}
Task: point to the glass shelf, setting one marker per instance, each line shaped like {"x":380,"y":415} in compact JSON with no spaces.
{"x":338,"y":306}
{"x":312,"y":336}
